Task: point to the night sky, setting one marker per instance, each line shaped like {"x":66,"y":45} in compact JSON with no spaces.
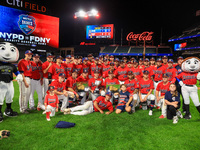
{"x":132,"y":16}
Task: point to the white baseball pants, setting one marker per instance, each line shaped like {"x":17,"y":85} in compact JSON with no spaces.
{"x":84,"y":109}
{"x":49,"y":109}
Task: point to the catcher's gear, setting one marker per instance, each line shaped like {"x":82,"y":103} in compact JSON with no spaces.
{"x":4,"y":134}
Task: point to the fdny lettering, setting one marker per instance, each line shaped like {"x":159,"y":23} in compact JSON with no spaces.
{"x":50,"y":101}
{"x":34,"y":68}
{"x":101,"y":104}
{"x":163,"y":90}
{"x":60,"y":89}
{"x":28,"y":67}
{"x":122,"y":72}
{"x":59,"y":70}
{"x":145,"y":86}
{"x":157,"y":72}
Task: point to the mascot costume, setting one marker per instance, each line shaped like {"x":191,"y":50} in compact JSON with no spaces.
{"x":188,"y":79}
{"x":8,"y":54}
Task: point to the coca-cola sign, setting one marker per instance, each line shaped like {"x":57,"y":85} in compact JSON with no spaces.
{"x":145,"y":36}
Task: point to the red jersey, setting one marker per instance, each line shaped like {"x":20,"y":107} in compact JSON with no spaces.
{"x":51,"y":100}
{"x":102,"y":104}
{"x":36,"y":70}
{"x":55,"y":70}
{"x":71,"y":83}
{"x":68,"y":69}
{"x":24,"y":66}
{"x":94,"y":67}
{"x":131,"y":85}
{"x":172,"y":72}
{"x":141,"y":67}
{"x":121,"y":73}
{"x":87,"y":67}
{"x":158,"y":72}
{"x":82,"y":79}
{"x":110,"y":81}
{"x":105,"y":73}
{"x":91,"y":83}
{"x":163,"y":88}
{"x":145,"y":86}
{"x":137,"y":72}
{"x":188,"y":78}
{"x":44,"y":66}
{"x":60,"y":87}
{"x":78,"y":68}
{"x":105,"y":67}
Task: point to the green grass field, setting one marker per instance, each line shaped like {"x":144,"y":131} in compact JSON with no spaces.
{"x":100,"y":131}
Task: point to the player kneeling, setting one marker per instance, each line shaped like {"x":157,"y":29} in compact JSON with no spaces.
{"x":125,"y":100}
{"x":145,"y":92}
{"x":98,"y":105}
{"x":50,"y":103}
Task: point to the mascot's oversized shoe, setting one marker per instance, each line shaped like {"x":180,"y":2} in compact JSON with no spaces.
{"x":4,"y":134}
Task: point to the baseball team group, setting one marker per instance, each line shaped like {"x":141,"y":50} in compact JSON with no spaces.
{"x":80,"y":86}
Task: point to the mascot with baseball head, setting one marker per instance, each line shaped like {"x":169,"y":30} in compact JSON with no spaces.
{"x":8,"y":54}
{"x":188,"y":79}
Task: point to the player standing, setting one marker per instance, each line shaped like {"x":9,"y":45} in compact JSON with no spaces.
{"x":121,"y":72}
{"x":24,"y":67}
{"x":36,"y":81}
{"x":171,"y":71}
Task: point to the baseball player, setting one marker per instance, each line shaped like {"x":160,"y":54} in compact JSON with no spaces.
{"x":71,"y":86}
{"x":136,"y":71}
{"x":171,"y":71}
{"x":125,"y":100}
{"x":78,"y":64}
{"x":189,"y":78}
{"x":106,"y":65}
{"x":161,"y":89}
{"x":68,"y":66}
{"x":8,"y":53}
{"x":36,"y":81}
{"x":148,"y":68}
{"x":96,"y":66}
{"x":141,"y":64}
{"x":50,"y":103}
{"x":98,"y":105}
{"x":121,"y":72}
{"x":165,"y":60}
{"x":86,"y":65}
{"x":95,"y":85}
{"x":111,"y":68}
{"x":145,"y":92}
{"x":56,"y":69}
{"x":45,"y":68}
{"x":24,"y":66}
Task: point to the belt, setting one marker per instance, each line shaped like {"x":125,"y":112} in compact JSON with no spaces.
{"x":156,"y":81}
{"x":189,"y":85}
{"x":27,"y":76}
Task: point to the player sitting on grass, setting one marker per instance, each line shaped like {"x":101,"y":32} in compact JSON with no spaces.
{"x":50,"y":103}
{"x":125,"y":100}
{"x":98,"y":105}
{"x":145,"y":92}
{"x":172,"y":99}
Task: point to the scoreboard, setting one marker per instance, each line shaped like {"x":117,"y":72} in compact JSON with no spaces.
{"x":104,"y":31}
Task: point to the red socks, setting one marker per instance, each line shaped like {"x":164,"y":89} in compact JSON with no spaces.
{"x":47,"y":115}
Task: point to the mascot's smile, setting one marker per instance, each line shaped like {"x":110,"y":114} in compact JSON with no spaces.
{"x":5,"y":58}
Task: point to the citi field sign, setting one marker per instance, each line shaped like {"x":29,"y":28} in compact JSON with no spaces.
{"x":26,"y":5}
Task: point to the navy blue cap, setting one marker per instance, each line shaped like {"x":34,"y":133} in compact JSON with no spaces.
{"x":146,"y":59}
{"x":74,"y":70}
{"x":170,"y":61}
{"x":59,"y":57}
{"x":164,"y":57}
{"x":159,"y":59}
{"x":28,"y":52}
{"x":112,"y":64}
{"x":62,"y":75}
{"x":36,"y":55}
{"x":180,"y":57}
{"x":140,"y":59}
{"x":122,"y":61}
{"x":69,"y":56}
{"x":109,"y":94}
{"x":117,"y":59}
{"x":152,"y":58}
{"x":85,"y":70}
{"x":111,"y":56}
{"x":97,"y":58}
{"x":165,"y":75}
{"x":145,"y":72}
{"x":135,"y":61}
{"x":49,"y":55}
{"x":51,"y":88}
{"x":85,"y":59}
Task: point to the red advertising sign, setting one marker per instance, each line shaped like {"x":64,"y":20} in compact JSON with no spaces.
{"x":145,"y":36}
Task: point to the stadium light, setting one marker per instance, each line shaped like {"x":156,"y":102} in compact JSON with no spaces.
{"x":83,"y":14}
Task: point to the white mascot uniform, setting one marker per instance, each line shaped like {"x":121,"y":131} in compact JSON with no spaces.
{"x":8,"y":54}
{"x":189,"y":77}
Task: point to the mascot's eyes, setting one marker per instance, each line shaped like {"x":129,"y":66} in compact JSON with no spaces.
{"x":12,"y":49}
{"x":196,"y":62}
{"x":2,"y":48}
{"x":188,"y":61}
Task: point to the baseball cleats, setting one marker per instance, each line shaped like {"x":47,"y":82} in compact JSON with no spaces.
{"x":24,"y":111}
{"x":48,"y":119}
{"x":175,"y":120}
{"x":162,"y":116}
{"x":187,"y":116}
{"x":10,"y":113}
{"x":178,"y":113}
{"x":1,"y":117}
{"x":150,"y":112}
{"x":38,"y":107}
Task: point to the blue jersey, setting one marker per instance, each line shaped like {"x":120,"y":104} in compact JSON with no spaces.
{"x":170,"y":98}
{"x":178,"y":68}
{"x":123,"y":98}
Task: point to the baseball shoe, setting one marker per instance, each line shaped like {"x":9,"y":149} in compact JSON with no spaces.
{"x":38,"y":107}
{"x":187,"y":116}
{"x":67,"y":111}
{"x":150,"y":112}
{"x":1,"y":117}
{"x":32,"y":108}
{"x":44,"y":112}
{"x":24,"y":111}
{"x":130,"y":112}
{"x":178,"y":113}
{"x":162,"y":116}
{"x":10,"y":113}
{"x":158,"y":107}
{"x":48,"y":119}
{"x":175,"y":120}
